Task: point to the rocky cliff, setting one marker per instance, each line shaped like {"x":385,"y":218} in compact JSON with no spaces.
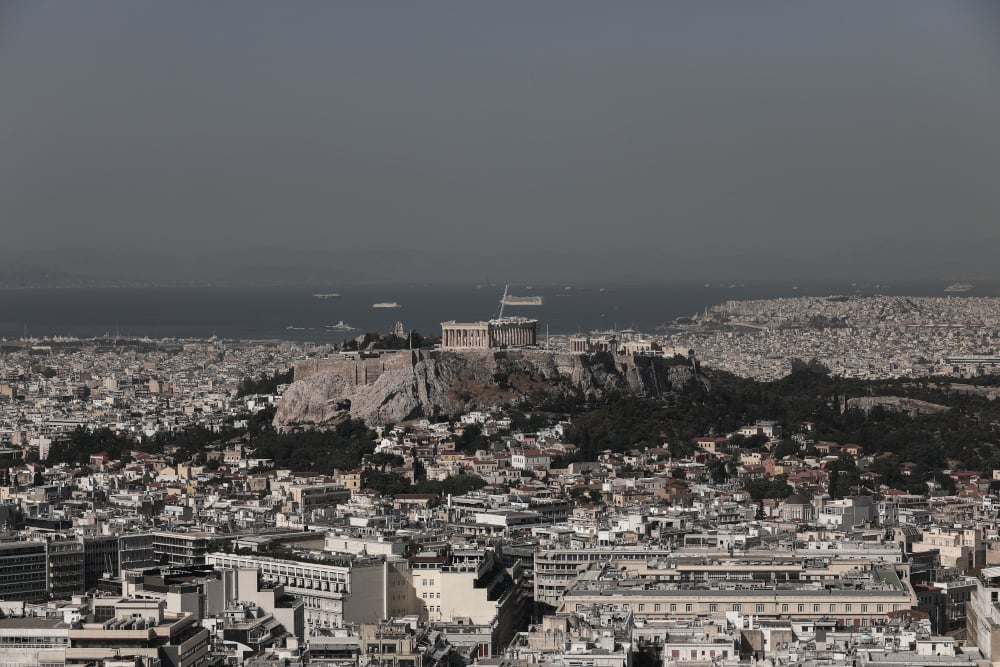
{"x":408,"y":385}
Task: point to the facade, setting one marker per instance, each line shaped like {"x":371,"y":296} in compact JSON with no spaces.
{"x":556,"y":570}
{"x":473,"y":588}
{"x":308,"y":497}
{"x":351,"y":590}
{"x":140,"y":629}
{"x":527,"y":459}
{"x":498,"y":333}
{"x":23,"y":570}
{"x":33,"y":641}
{"x":170,"y":548}
{"x":101,"y":558}
{"x":983,"y":615}
{"x":848,"y":607}
{"x":66,"y":567}
{"x":960,"y":548}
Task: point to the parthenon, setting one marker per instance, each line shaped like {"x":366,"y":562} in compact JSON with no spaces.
{"x":503,"y":332}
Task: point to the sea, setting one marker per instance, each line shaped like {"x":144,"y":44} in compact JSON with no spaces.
{"x":294,"y":313}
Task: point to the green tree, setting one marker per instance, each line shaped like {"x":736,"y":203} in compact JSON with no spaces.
{"x":786,"y":447}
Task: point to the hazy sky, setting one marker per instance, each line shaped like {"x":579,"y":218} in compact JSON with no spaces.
{"x":704,"y":128}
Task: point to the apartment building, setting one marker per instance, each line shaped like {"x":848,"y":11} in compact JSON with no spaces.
{"x":349,"y":589}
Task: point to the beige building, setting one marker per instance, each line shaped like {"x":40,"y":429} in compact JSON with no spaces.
{"x":139,"y":628}
{"x":983,"y":615}
{"x":846,"y":606}
{"x":498,"y":333}
{"x":470,"y":587}
{"x":960,"y":548}
{"x":352,"y":590}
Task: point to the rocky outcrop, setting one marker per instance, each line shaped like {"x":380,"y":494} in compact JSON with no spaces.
{"x":407,"y":385}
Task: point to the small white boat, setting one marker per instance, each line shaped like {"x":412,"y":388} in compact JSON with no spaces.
{"x":386,"y":304}
{"x":340,"y":326}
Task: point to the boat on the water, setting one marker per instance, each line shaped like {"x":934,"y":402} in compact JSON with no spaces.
{"x":331,"y":295}
{"x":523,"y":300}
{"x":958,"y":287}
{"x":340,"y":326}
{"x":386,"y":304}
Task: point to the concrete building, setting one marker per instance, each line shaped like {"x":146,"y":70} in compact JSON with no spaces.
{"x":960,"y":548}
{"x":556,"y":570}
{"x":33,"y":641}
{"x":847,"y":513}
{"x":65,"y":564}
{"x":983,"y":615}
{"x":845,"y":606}
{"x":23,"y":570}
{"x":140,"y":629}
{"x":171,"y":548}
{"x":346,"y":590}
{"x":469,"y":586}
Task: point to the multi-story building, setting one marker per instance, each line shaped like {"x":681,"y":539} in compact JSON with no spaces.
{"x":389,"y":645}
{"x":101,"y":558}
{"x":983,"y":615}
{"x":135,"y":550}
{"x":140,"y":629}
{"x":556,"y":570}
{"x":23,"y":570}
{"x":470,"y":586}
{"x":65,"y":564}
{"x":962,"y":549}
{"x":170,"y":548}
{"x":527,"y":459}
{"x":349,"y":589}
{"x":33,"y":641}
{"x":308,"y":497}
{"x":846,"y":605}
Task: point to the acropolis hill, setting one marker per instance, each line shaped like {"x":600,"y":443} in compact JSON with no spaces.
{"x":393,"y":386}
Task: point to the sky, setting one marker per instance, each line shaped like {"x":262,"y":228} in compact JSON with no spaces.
{"x":627,"y":138}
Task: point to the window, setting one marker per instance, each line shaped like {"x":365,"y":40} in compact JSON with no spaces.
{"x":713,"y":607}
{"x":784,"y":608}
{"x":833,"y":608}
{"x":880,"y":608}
{"x":737,"y":606}
{"x":802,"y":608}
{"x":760,"y":608}
{"x":688,"y":607}
{"x":642,"y":607}
{"x":864,"y":609}
{"x":848,"y":608}
{"x":656,"y":607}
{"x":815,"y":608}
